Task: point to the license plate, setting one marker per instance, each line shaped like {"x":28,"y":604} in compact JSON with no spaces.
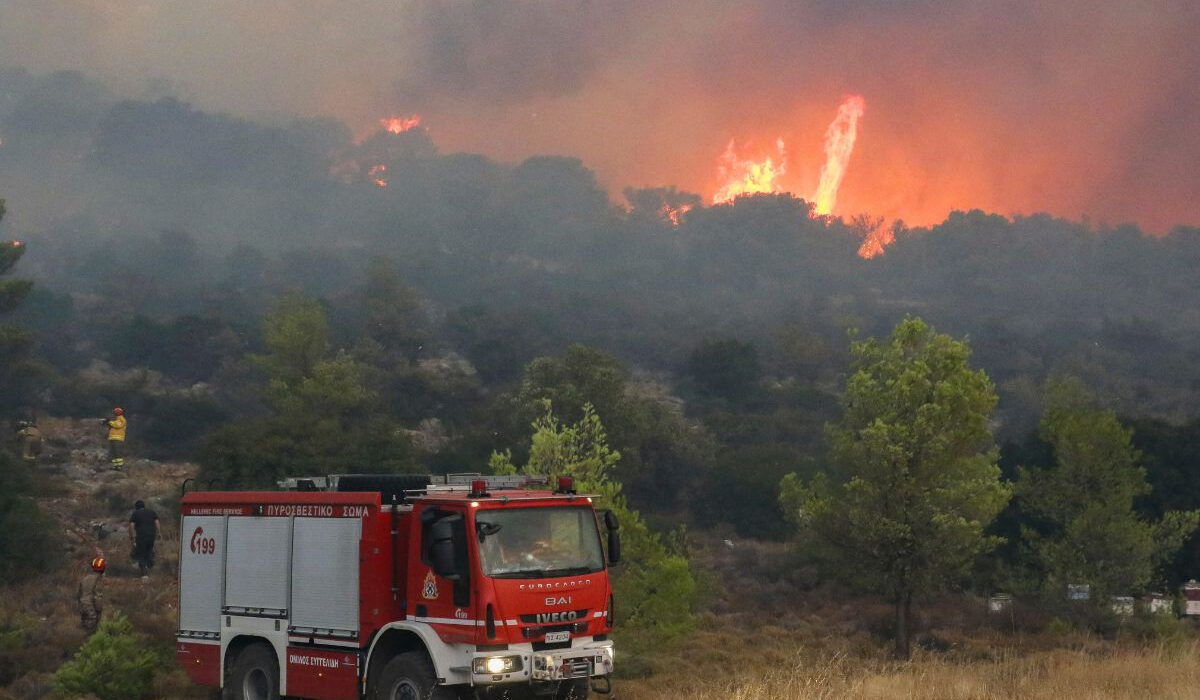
{"x":558,"y":636}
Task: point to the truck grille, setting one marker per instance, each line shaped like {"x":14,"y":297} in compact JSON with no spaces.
{"x":579,"y":668}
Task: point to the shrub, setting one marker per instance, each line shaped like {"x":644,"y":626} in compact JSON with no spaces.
{"x":13,"y":636}
{"x":1059,"y":627}
{"x":1164,"y":629}
{"x":28,"y":537}
{"x":113,"y":664}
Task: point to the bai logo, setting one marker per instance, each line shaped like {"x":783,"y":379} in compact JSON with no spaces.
{"x":201,"y":544}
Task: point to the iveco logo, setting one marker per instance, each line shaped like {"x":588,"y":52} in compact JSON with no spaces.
{"x":560,"y":600}
{"x":567,"y":616}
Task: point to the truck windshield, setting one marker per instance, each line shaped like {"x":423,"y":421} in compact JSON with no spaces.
{"x":538,"y":542}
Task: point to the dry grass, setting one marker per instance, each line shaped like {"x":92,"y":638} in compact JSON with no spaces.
{"x":1055,"y":675}
{"x":772,"y":635}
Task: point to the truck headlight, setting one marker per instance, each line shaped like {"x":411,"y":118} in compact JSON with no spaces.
{"x":496,"y":664}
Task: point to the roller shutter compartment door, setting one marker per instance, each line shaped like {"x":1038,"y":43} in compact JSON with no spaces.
{"x":325,"y":563}
{"x":201,"y":573}
{"x":256,"y":570}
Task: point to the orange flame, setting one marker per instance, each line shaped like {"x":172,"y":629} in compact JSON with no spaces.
{"x":876,"y":241}
{"x":839,"y":144}
{"x":399,"y":125}
{"x":376,"y":173}
{"x":746,"y":176}
{"x":674,"y":214}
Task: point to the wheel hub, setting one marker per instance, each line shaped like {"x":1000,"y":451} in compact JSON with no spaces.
{"x":405,"y":690}
{"x":256,"y":686}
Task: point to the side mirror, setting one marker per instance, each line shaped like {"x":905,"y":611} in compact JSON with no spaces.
{"x":485,"y":530}
{"x":614,"y":537}
{"x":441,"y":548}
{"x":614,"y":547}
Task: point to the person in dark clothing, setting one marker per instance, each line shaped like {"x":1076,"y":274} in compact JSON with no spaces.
{"x":143,"y":530}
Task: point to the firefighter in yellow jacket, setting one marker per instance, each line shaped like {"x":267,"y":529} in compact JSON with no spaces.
{"x":31,"y":441}
{"x":116,"y":438}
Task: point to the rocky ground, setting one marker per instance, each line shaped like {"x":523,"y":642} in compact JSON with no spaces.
{"x":77,"y":487}
{"x":93,"y":501}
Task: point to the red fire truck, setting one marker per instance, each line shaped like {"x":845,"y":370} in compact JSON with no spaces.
{"x":394,"y":586}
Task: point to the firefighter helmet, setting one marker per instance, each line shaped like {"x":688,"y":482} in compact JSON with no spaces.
{"x":118,"y":412}
{"x":98,"y":564}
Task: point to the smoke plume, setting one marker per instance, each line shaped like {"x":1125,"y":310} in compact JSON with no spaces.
{"x":1076,"y":108}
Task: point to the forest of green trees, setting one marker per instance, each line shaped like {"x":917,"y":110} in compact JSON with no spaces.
{"x":256,"y":311}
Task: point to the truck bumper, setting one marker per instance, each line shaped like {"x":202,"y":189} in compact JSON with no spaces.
{"x":565,"y":664}
{"x":586,"y":660}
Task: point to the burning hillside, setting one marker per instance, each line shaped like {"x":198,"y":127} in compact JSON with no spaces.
{"x":742,"y":176}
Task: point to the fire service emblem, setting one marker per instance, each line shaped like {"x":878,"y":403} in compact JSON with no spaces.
{"x":429,"y":591}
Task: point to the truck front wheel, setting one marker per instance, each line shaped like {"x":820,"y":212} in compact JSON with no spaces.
{"x":409,"y":676}
{"x":253,"y":676}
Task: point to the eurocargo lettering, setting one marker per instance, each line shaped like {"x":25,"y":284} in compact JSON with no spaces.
{"x":383,"y":586}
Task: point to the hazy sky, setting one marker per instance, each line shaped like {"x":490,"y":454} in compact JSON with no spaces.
{"x":1076,"y":107}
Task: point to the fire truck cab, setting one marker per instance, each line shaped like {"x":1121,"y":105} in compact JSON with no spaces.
{"x":394,"y":586}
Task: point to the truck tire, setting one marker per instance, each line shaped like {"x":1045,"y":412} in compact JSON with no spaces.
{"x":573,"y":690}
{"x":409,"y":676}
{"x":254,"y":675}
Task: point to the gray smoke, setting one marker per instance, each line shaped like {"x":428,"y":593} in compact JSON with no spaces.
{"x":1079,"y":108}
